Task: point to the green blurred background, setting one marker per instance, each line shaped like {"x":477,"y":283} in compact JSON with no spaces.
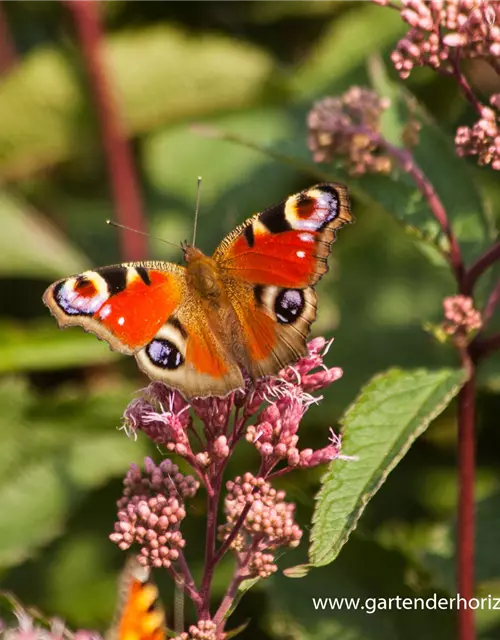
{"x":254,"y":69}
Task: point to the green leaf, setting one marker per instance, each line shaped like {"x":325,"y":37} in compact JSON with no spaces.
{"x":42,"y":346}
{"x":31,"y":247}
{"x":46,"y":468}
{"x":156,"y":76}
{"x":344,"y":47}
{"x":392,"y":410}
{"x":243,"y":587}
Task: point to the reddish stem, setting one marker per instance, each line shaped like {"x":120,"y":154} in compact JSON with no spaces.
{"x":463,"y":83}
{"x":124,"y":183}
{"x":211,"y":536}
{"x":491,"y":304}
{"x":466,"y":525}
{"x":406,"y":161}
{"x":484,"y":347}
{"x":8,"y":53}
{"x":232,"y":589}
{"x":476,"y":270}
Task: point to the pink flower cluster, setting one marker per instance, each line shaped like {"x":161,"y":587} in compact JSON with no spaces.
{"x":442,"y":29}
{"x":165,"y":417}
{"x":258,"y":520}
{"x":483,"y":138}
{"x":460,"y":315}
{"x":151,"y":510}
{"x":347,"y":127}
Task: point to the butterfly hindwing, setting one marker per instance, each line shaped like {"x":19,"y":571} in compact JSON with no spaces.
{"x":187,"y":354}
{"x":139,"y":615}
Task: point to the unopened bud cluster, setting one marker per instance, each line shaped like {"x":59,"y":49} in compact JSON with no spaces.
{"x":347,"y":127}
{"x":204,"y":630}
{"x":151,"y":510}
{"x":269,"y":521}
{"x":460,"y":315}
{"x":441,"y":29}
{"x":483,"y":138}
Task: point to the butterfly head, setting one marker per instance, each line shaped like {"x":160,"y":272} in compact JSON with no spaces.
{"x":190,"y":252}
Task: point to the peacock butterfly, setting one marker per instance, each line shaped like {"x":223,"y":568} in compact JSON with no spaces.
{"x":200,"y":327}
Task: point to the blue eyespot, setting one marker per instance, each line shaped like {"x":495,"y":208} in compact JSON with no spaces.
{"x":289,"y":305}
{"x":164,"y":354}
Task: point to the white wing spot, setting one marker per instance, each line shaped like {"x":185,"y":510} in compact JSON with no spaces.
{"x":121,"y":321}
{"x":306,"y":237}
{"x":301,"y":254}
{"x":105,"y":311}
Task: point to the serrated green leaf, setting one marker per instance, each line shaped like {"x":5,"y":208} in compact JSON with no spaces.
{"x":31,"y":247}
{"x":391,"y":411}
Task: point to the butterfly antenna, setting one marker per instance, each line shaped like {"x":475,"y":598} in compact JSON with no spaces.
{"x":198,"y":194}
{"x":112,"y":223}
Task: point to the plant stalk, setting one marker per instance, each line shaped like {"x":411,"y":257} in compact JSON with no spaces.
{"x":466,"y":510}
{"x":124,"y":182}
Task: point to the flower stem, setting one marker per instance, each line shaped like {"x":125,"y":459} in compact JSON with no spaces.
{"x":466,"y":528}
{"x":463,"y":83}
{"x":189,"y":584}
{"x":483,"y":347}
{"x":491,"y":304}
{"x":232,"y":590}
{"x":124,"y":183}
{"x":484,"y":261}
{"x":211,"y":535}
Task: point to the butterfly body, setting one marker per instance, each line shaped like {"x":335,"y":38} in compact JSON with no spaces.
{"x":202,"y":326}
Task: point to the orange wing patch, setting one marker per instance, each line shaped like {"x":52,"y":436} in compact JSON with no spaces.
{"x":124,"y":304}
{"x":287,"y":245}
{"x":140,"y":621}
{"x":139,"y":615}
{"x":136,"y":314}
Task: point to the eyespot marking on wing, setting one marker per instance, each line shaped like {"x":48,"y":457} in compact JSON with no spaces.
{"x":164,"y":354}
{"x":288,"y":305}
{"x":81,"y":295}
{"x":312,"y":210}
